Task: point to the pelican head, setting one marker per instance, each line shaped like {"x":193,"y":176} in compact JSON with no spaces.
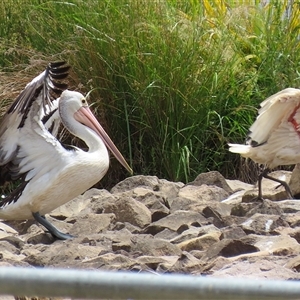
{"x":73,"y":108}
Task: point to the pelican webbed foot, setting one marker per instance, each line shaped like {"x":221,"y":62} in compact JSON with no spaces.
{"x":51,"y":228}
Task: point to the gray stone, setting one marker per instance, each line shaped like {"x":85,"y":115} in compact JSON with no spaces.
{"x":148,"y":245}
{"x":263,"y":224}
{"x":203,"y":193}
{"x":278,"y":245}
{"x":91,"y":223}
{"x":294,"y":182}
{"x":154,"y":201}
{"x":213,"y":178}
{"x":126,"y":209}
{"x":193,"y":232}
{"x":148,"y":182}
{"x":149,"y":224}
{"x":175,"y":221}
{"x":289,"y":206}
{"x":186,"y":263}
{"x":200,"y":243}
{"x":233,"y":233}
{"x":228,"y":248}
{"x":256,"y":268}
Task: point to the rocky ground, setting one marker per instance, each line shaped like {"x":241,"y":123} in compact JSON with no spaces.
{"x":210,"y":226}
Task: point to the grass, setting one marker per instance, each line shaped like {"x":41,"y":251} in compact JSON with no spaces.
{"x":173,"y":81}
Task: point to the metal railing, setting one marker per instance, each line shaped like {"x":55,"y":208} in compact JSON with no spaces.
{"x":88,"y":284}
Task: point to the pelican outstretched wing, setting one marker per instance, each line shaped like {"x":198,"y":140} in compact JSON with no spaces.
{"x":37,"y":102}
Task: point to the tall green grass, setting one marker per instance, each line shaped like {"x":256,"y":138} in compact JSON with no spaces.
{"x":173,"y":81}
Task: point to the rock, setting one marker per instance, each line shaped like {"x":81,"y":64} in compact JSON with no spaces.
{"x":15,"y":241}
{"x":6,"y":230}
{"x":6,"y":255}
{"x":242,"y":209}
{"x":213,"y":178}
{"x":196,"y":198}
{"x":40,"y":238}
{"x":99,"y":199}
{"x":256,"y":268}
{"x":30,"y":250}
{"x":175,"y":221}
{"x":263,"y":224}
{"x":109,"y":261}
{"x":233,"y":220}
{"x":169,"y":189}
{"x":153,"y":246}
{"x":8,"y":248}
{"x":217,"y":211}
{"x":295,"y":234}
{"x":148,"y":182}
{"x":294,"y":264}
{"x":127,"y":209}
{"x":294,"y":183}
{"x":91,"y":223}
{"x":193,"y":232}
{"x":214,"y":265}
{"x":154,"y":201}
{"x":147,"y":224}
{"x":222,"y":209}
{"x":122,"y":245}
{"x":20,"y":226}
{"x":228,"y":248}
{"x":234,"y":198}
{"x":266,"y":207}
{"x":203,"y":194}
{"x":166,"y":234}
{"x":71,"y":208}
{"x":233,"y":233}
{"x":180,"y":203}
{"x":278,"y":245}
{"x":237,"y":185}
{"x":289,"y":206}
{"x":200,"y":243}
{"x":292,"y":219}
{"x":125,"y":225}
{"x":153,"y":262}
{"x":186,"y":263}
{"x":66,"y":254}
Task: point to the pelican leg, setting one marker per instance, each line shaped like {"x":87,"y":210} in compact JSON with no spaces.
{"x":51,"y":228}
{"x":264,"y":174}
{"x":260,"y":177}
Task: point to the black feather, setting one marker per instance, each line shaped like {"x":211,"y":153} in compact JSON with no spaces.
{"x":14,"y":195}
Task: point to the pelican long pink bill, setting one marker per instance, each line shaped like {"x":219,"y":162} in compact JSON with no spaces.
{"x":85,"y":116}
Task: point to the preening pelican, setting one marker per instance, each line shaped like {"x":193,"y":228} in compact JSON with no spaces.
{"x":48,"y":174}
{"x":274,"y":137}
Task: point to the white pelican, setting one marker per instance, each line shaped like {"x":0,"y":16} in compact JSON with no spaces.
{"x":274,"y":138}
{"x":48,"y":174}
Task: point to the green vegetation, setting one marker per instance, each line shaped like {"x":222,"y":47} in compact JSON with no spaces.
{"x":173,"y":81}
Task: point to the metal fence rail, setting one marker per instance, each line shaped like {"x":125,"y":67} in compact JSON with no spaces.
{"x":85,"y":284}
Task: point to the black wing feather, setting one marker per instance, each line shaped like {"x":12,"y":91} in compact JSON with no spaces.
{"x":49,"y":84}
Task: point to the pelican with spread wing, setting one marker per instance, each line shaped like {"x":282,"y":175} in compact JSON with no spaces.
{"x":274,"y":137}
{"x":48,"y":174}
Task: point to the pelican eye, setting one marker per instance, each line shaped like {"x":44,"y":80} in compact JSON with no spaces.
{"x":83,"y":101}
